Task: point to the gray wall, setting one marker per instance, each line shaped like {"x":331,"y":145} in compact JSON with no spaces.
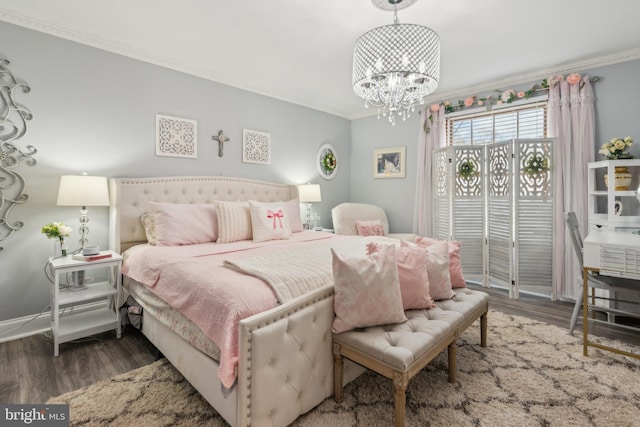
{"x":95,"y":112}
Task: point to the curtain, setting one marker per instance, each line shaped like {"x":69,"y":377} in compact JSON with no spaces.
{"x":572,"y":123}
{"x":427,"y":142}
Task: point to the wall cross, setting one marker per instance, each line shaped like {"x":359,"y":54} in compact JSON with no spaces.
{"x":221,"y":138}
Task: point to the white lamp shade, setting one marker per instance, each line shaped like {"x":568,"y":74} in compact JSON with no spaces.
{"x":82,"y":190}
{"x":309,"y":193}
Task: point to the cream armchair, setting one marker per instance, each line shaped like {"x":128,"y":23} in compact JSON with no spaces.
{"x":345,"y":215}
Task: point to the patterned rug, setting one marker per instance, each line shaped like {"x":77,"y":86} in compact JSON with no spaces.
{"x":531,"y":374}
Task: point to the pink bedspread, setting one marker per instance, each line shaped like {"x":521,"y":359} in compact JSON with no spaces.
{"x":192,"y":279}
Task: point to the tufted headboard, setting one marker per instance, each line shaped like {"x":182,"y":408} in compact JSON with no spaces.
{"x":130,"y":198}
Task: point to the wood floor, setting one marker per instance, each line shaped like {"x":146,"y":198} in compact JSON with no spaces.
{"x":30,"y":374}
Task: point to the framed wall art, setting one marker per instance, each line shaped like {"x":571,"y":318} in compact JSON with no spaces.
{"x":389,"y":162}
{"x":256,"y":147}
{"x":176,"y":137}
{"x":327,"y":161}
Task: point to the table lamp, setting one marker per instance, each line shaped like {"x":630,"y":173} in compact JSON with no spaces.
{"x":309,"y":193}
{"x":83,"y":191}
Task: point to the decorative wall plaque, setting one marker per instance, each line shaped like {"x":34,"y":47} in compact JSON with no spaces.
{"x":256,"y":147}
{"x":176,"y":137}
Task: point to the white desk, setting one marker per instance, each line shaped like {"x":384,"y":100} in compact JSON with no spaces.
{"x":611,"y":253}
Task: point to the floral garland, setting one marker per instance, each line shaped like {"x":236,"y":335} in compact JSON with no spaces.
{"x":503,"y":97}
{"x":467,"y":169}
{"x":537,"y":165}
{"x":329,"y":162}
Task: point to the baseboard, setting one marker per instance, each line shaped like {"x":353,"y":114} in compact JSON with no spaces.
{"x":22,"y":327}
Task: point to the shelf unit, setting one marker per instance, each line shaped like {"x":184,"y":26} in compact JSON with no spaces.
{"x":76,"y":324}
{"x":602,"y":198}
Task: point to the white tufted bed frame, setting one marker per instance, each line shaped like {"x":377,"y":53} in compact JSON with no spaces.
{"x":286,"y":362}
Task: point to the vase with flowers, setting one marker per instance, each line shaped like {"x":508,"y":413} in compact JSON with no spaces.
{"x":618,"y":149}
{"x":57,"y":231}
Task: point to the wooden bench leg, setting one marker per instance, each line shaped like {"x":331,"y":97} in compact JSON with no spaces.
{"x":337,"y":374}
{"x":451,"y":352}
{"x":400,"y":382}
{"x":483,"y":330}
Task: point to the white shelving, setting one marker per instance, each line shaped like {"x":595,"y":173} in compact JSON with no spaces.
{"x":67,"y":323}
{"x":603,"y":199}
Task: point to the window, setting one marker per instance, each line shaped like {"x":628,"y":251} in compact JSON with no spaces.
{"x":505,"y":124}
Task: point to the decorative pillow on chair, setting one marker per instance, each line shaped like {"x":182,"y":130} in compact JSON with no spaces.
{"x":455,"y":265}
{"x":438,"y":271}
{"x":269,"y":221}
{"x":234,"y":221}
{"x":184,"y":223}
{"x":412,"y":273}
{"x":292,"y":207}
{"x":367,"y":290}
{"x":370,"y":228}
{"x":149,"y":223}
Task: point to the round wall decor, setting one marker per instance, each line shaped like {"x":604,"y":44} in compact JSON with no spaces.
{"x":327,"y":162}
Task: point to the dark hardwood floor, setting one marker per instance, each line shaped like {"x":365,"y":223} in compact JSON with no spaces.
{"x":30,"y":374}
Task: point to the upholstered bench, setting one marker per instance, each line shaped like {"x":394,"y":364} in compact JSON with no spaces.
{"x":400,"y":351}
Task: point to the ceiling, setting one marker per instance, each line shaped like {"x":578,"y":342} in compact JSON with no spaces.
{"x":301,"y":51}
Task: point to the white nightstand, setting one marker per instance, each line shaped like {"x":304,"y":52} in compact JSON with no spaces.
{"x":71,"y":326}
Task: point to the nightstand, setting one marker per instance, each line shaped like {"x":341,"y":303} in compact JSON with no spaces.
{"x":86,"y":321}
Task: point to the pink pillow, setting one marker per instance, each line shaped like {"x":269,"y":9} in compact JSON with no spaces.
{"x":370,"y":228}
{"x":184,"y":224}
{"x":293,"y":209}
{"x":367,"y":290}
{"x":412,"y":273}
{"x":455,"y":265}
{"x":438,"y":271}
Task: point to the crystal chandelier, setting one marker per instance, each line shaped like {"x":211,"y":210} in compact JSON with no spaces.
{"x":396,"y":66}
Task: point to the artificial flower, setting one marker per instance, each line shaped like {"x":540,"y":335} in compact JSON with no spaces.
{"x":555,"y":80}
{"x":56,"y":230}
{"x":521,"y":94}
{"x":617,"y":148}
{"x":469,"y":101}
{"x":435,"y":107}
{"x":508,"y":95}
{"x":574,"y":78}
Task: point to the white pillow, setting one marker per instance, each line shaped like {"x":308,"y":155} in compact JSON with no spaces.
{"x":184,"y":223}
{"x":367,"y":290}
{"x":234,"y":221}
{"x":149,"y":223}
{"x":269,"y":221}
{"x":295,"y":221}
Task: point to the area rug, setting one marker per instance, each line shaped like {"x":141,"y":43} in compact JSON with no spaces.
{"x":531,"y":374}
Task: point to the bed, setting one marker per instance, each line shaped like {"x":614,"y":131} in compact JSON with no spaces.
{"x":284,"y":353}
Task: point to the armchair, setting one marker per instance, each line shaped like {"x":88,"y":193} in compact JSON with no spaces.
{"x":345,"y":215}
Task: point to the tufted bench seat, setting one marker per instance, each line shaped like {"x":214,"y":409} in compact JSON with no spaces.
{"x":400,"y":351}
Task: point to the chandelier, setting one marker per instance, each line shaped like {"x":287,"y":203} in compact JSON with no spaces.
{"x":396,"y":66}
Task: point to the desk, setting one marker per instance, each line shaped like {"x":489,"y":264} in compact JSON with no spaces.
{"x":610,"y":253}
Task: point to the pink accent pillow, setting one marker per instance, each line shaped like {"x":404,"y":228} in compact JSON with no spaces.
{"x":293,"y":209}
{"x":412,"y":273}
{"x":269,"y":221}
{"x":184,"y":223}
{"x":438,"y":271}
{"x":455,"y":265}
{"x":367,"y":291}
{"x":370,"y":228}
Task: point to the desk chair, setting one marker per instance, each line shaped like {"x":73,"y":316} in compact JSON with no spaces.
{"x":614,"y":284}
